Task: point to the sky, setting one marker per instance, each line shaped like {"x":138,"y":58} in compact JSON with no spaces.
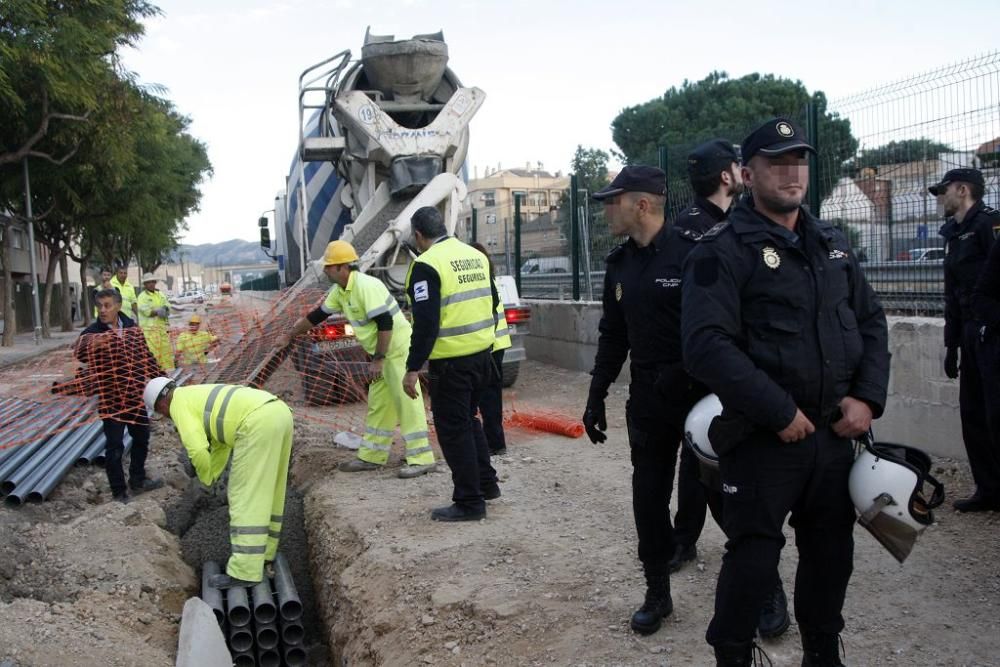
{"x":555,"y":73}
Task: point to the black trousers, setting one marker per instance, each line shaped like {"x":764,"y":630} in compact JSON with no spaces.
{"x":763,"y":480}
{"x":456,"y":387}
{"x":114,"y":450}
{"x":979,"y":406}
{"x":491,"y":405}
{"x":692,"y":500}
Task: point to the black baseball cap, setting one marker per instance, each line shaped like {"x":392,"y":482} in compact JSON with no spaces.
{"x":775,"y":137}
{"x":973,"y":176}
{"x":712,"y":157}
{"x":637,"y":178}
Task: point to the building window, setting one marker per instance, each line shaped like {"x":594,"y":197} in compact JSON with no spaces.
{"x":17,"y":239}
{"x":538,"y":199}
{"x":489,"y":198}
{"x":519,"y":193}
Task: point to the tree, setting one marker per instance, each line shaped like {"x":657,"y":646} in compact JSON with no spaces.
{"x":718,"y":106}
{"x":897,"y":152}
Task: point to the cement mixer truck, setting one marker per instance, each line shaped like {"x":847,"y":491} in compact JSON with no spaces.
{"x":379,"y":137}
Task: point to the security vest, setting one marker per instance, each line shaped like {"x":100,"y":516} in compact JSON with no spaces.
{"x":192,"y":346}
{"x":207,"y":417}
{"x":128,"y":295}
{"x":148,"y":302}
{"x":502,"y":334}
{"x":466,"y":325}
{"x":364,"y":299}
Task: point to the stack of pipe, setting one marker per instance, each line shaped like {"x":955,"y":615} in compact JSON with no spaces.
{"x":262,"y":624}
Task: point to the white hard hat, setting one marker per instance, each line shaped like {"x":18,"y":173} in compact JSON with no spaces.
{"x":696,"y":429}
{"x":148,"y":278}
{"x":887,"y":488}
{"x":155,"y":389}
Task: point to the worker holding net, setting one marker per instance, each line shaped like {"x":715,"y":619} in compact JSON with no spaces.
{"x":384,"y":333}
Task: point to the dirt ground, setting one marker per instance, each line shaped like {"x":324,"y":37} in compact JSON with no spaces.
{"x":550,"y":577}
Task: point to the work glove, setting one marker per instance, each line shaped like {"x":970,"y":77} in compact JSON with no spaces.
{"x":162,"y":312}
{"x":951,"y":363}
{"x":594,"y":418}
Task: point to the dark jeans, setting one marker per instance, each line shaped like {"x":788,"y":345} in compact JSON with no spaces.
{"x":979,"y":406}
{"x":491,"y":406}
{"x":114,"y":450}
{"x":692,"y":500}
{"x":763,"y":480}
{"x":456,"y":386}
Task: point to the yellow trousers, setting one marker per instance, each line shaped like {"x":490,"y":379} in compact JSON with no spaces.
{"x":389,"y":407}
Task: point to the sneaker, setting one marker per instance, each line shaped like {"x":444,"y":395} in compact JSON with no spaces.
{"x":145,"y":485}
{"x":408,"y":472}
{"x":357,"y":465}
{"x":457,"y":513}
{"x":224,"y":581}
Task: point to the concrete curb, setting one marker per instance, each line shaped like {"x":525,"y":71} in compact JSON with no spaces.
{"x":201,"y":643}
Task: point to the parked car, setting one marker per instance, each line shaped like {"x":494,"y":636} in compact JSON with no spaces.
{"x":925,"y":255}
{"x":537,"y":265}
{"x":191,"y":296}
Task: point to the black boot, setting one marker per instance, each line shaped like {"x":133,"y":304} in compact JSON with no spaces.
{"x":774,"y":619}
{"x":657,"y":606}
{"x":820,"y":650}
{"x":740,"y":654}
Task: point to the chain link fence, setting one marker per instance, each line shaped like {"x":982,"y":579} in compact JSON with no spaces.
{"x":878,"y":152}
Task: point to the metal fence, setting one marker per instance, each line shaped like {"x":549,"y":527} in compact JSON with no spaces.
{"x":871,"y":181}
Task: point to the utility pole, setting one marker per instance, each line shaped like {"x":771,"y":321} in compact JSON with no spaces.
{"x":36,"y":309}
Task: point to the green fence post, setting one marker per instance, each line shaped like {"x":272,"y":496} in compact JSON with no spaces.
{"x":474,"y":230}
{"x":574,"y":234}
{"x":662,"y":157}
{"x":812,"y":132}
{"x":517,"y":241}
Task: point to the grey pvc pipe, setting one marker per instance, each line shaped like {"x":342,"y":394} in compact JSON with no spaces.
{"x":295,"y":656}
{"x":268,"y":658}
{"x":237,"y":607}
{"x":264,"y":610}
{"x":100,"y":459}
{"x":267,"y":635}
{"x":289,"y":604}
{"x":24,"y":452}
{"x":244,"y":659}
{"x":292,"y":632}
{"x":19,"y":478}
{"x":211,"y":595}
{"x":240,"y":638}
{"x":41,"y":490}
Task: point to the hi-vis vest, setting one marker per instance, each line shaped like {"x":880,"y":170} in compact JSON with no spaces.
{"x":207,"y":417}
{"x":467,"y":320}
{"x":502,"y":334}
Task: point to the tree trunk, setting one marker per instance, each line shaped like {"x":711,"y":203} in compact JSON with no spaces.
{"x":50,"y":276}
{"x":9,"y":314}
{"x":69,"y":297}
{"x":86,"y":307}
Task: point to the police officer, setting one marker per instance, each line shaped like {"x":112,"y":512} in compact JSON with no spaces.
{"x":454,"y":322}
{"x":641,"y":318}
{"x":780,"y":322}
{"x":968,"y":237}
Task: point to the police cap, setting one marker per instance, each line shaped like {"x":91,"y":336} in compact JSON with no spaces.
{"x":711,"y":158}
{"x":973,"y":176}
{"x":775,"y":137}
{"x":635,"y":178}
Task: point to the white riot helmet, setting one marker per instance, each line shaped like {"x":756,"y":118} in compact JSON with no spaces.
{"x":154,"y":390}
{"x":887,"y":488}
{"x":696,"y":429}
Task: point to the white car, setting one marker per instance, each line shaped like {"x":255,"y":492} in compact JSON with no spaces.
{"x":191,"y":296}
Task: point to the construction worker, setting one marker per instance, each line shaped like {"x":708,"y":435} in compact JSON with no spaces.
{"x":454,"y":327}
{"x":214,"y":421}
{"x":491,"y":403}
{"x":194,"y":344}
{"x":104,"y":284}
{"x":121,"y":283}
{"x":154,"y":312}
{"x":118,"y":366}
{"x":384,"y":334}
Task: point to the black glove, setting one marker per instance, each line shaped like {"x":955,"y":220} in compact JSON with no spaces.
{"x":951,"y":363}
{"x":594,"y":418}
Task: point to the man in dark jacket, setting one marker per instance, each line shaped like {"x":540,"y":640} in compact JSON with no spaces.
{"x":781,"y":324}
{"x":119,"y":364}
{"x":968,"y":235}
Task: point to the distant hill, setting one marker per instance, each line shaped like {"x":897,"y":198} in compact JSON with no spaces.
{"x":226,"y":253}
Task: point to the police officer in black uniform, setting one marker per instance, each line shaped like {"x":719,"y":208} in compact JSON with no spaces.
{"x":642,"y":316}
{"x":780,"y":322}
{"x":968,"y":236}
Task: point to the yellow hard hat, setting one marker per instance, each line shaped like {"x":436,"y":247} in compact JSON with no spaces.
{"x":339,"y":252}
{"x":195,"y":319}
